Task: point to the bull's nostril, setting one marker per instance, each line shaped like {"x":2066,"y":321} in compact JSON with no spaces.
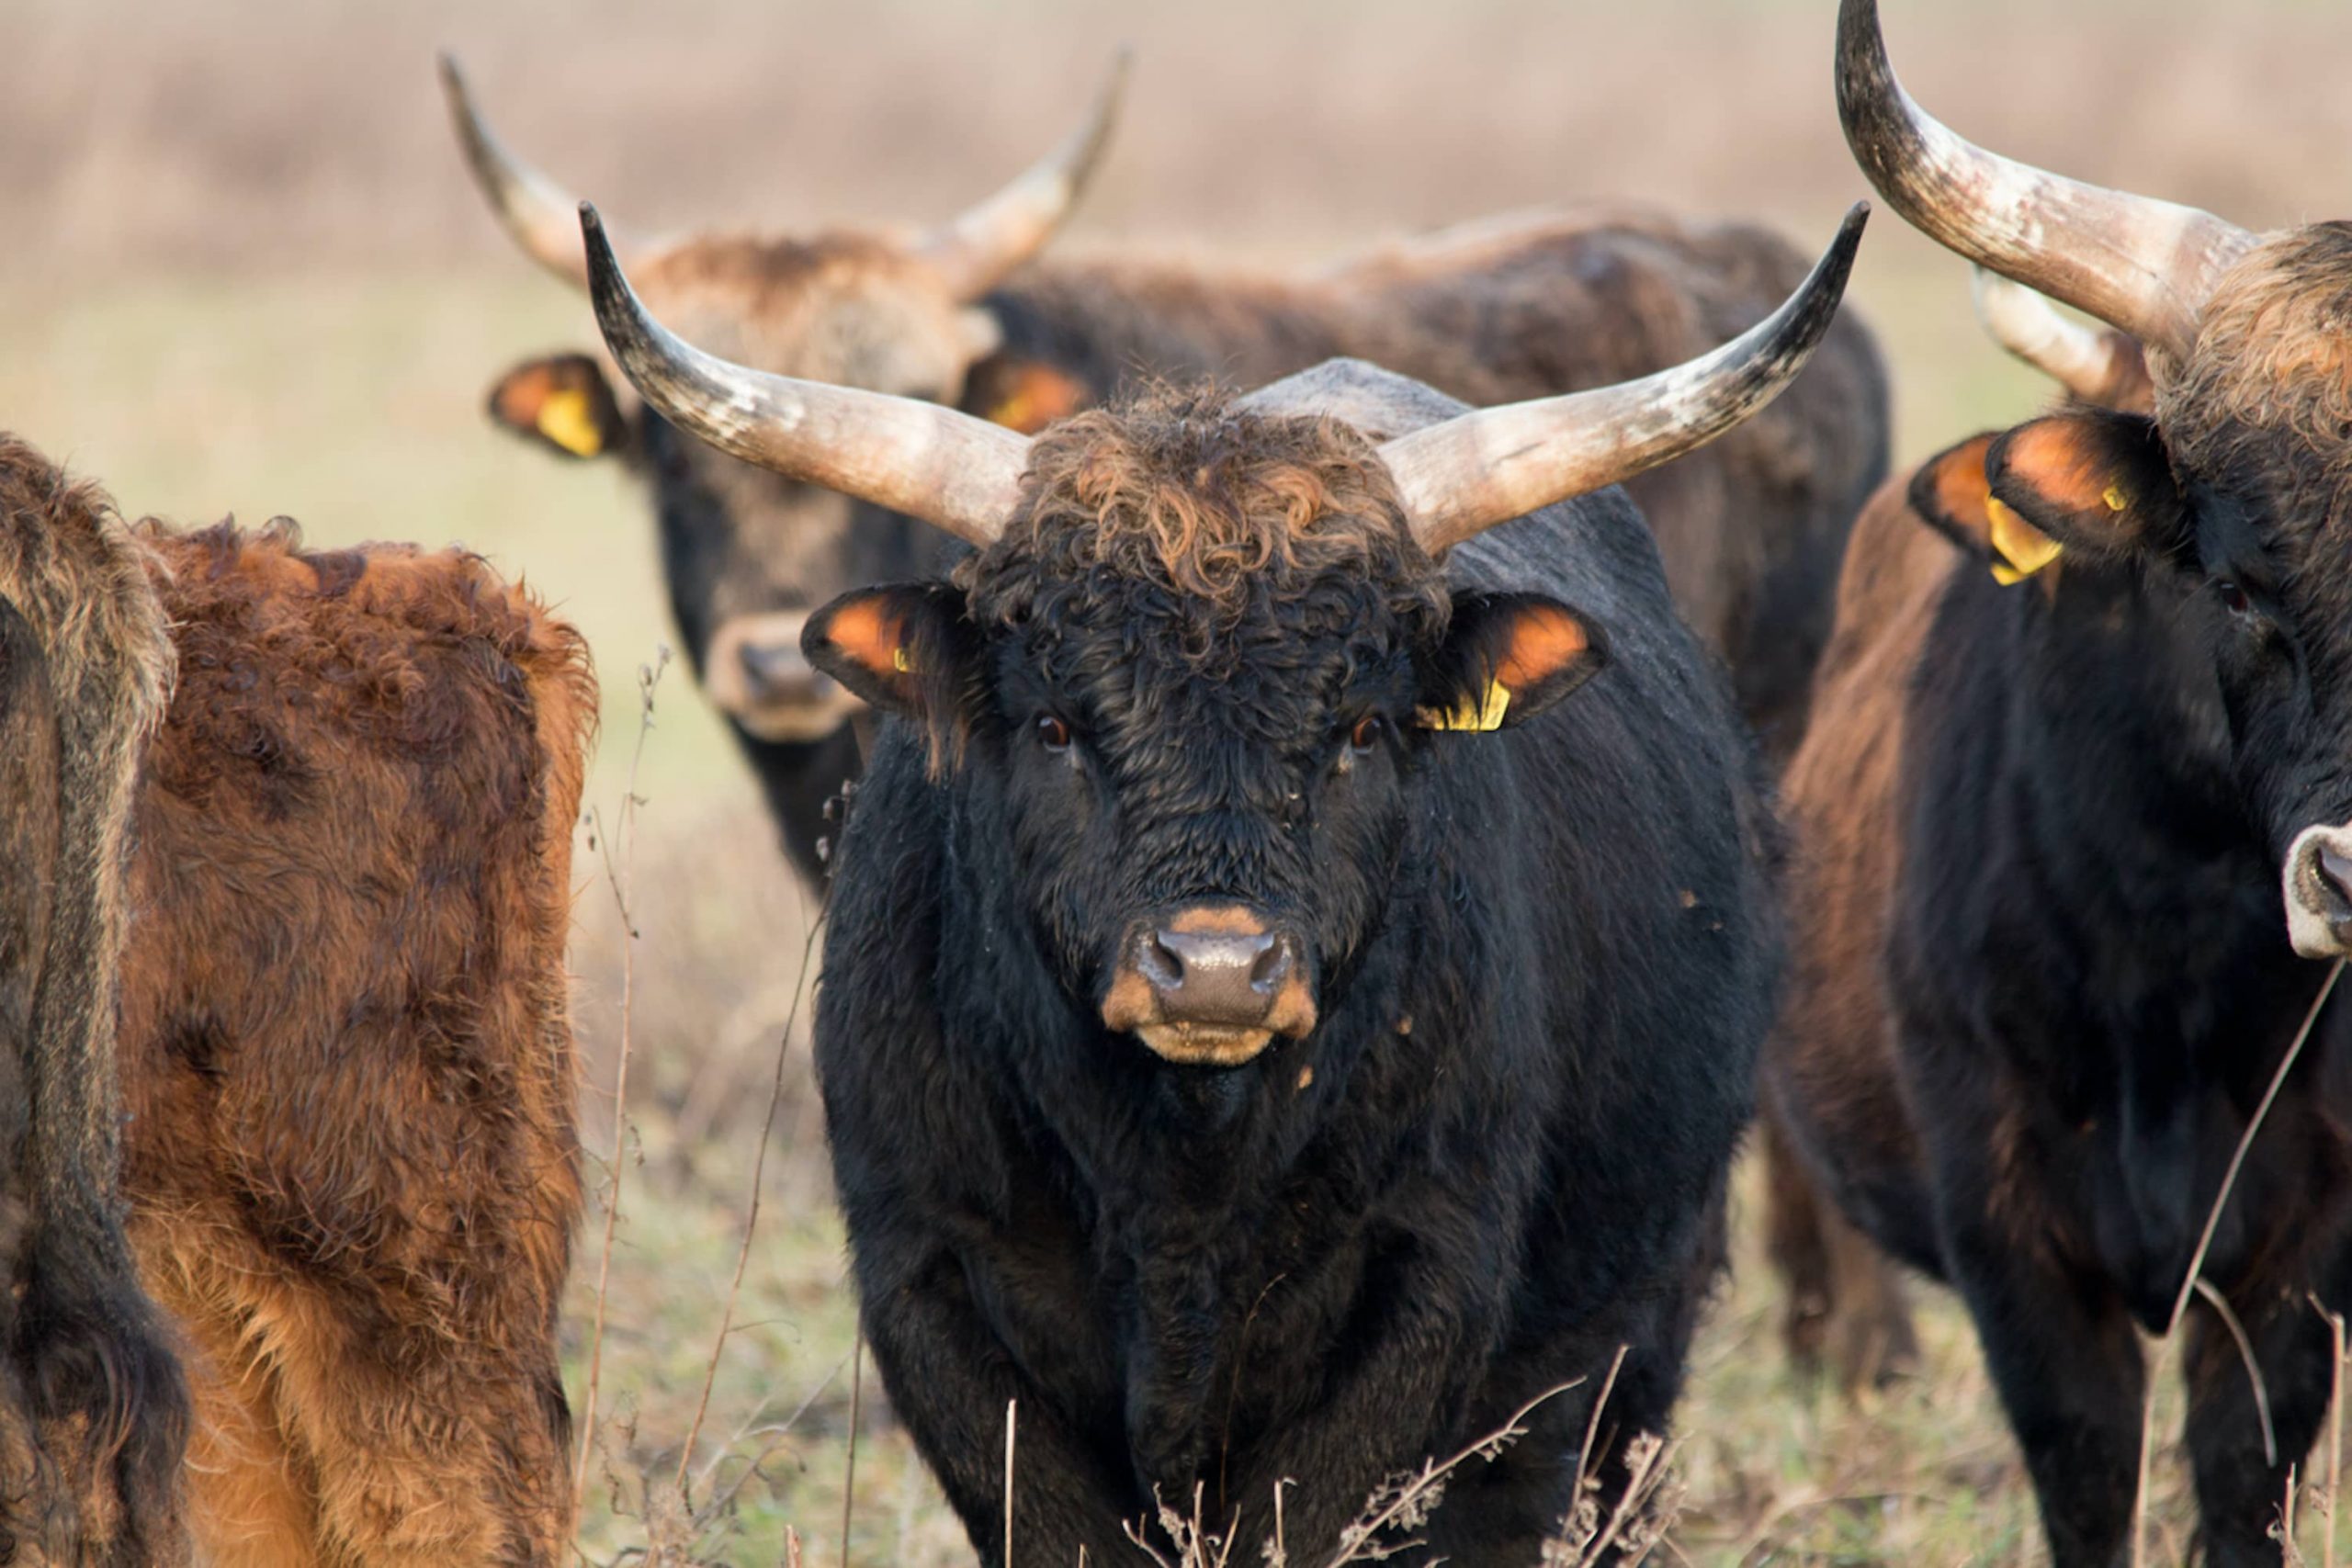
{"x":2337,"y":870}
{"x":1272,"y":965}
{"x":1161,"y":965}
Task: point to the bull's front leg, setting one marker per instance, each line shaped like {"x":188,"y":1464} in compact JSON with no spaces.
{"x":951,"y":1377}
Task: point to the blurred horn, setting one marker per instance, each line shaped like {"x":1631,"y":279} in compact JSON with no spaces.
{"x":1474,"y":471}
{"x":2095,"y":365}
{"x":541,"y":216}
{"x":2144,"y":266}
{"x":957,"y":472}
{"x":978,"y":249}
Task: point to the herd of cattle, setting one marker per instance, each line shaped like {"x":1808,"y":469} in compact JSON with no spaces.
{"x":1333,"y":872}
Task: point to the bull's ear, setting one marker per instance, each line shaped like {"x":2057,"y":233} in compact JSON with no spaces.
{"x":1952,"y":495}
{"x":909,"y":648}
{"x":562,"y":400}
{"x":1506,"y":657}
{"x":2090,"y":483}
{"x":1026,"y":395}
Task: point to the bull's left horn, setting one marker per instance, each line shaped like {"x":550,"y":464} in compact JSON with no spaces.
{"x":1472,"y":472}
{"x":543,"y":219}
{"x":957,"y":472}
{"x":978,"y":249}
{"x":2098,"y":365}
{"x":2144,"y":266}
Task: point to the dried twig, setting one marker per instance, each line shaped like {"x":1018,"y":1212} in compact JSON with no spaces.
{"x":649,"y":676}
{"x":1011,"y":1423}
{"x":857,"y":1399}
{"x":752,"y":1212}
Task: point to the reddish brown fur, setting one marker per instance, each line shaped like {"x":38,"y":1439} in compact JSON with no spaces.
{"x":346,"y":1045}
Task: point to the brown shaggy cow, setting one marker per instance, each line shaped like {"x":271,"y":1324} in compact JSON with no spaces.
{"x":93,"y":1410}
{"x":345,"y":1048}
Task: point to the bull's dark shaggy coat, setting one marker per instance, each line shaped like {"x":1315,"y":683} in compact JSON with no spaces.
{"x":1750,"y":527}
{"x":346,"y":1048}
{"x":93,"y":1410}
{"x":2044,"y":978}
{"x":1545,"y":958}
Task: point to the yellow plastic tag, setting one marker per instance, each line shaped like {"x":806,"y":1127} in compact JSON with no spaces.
{"x":564,"y":419}
{"x":2115,"y":497}
{"x":1486,"y":716}
{"x":2021,"y":549}
{"x":899,"y":662}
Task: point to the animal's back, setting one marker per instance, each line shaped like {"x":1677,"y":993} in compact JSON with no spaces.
{"x":347,"y":1046}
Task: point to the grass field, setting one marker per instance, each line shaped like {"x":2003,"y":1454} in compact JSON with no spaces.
{"x":245,"y":274}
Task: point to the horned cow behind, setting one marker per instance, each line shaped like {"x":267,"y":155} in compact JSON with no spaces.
{"x":1289,"y":1003}
{"x":93,"y":1409}
{"x":2071,"y":839}
{"x":1751,"y":527}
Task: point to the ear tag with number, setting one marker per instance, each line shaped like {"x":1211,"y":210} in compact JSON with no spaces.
{"x":1480,"y":717}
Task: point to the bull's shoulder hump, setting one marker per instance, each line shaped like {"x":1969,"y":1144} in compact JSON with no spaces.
{"x":1380,"y":403}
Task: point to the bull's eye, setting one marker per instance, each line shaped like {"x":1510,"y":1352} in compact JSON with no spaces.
{"x":2233,"y":598}
{"x":1052,"y":733}
{"x":1367,"y":734}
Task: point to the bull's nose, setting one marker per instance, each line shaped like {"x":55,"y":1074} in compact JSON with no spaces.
{"x":2319,"y":891}
{"x":779,"y":673}
{"x":1216,"y":977}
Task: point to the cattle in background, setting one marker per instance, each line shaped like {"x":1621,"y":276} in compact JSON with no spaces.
{"x":1234,"y":1051}
{"x":345,"y":1045}
{"x":1846,"y":1307}
{"x":93,"y":1409}
{"x":1751,"y":527}
{"x":2073,"y":839}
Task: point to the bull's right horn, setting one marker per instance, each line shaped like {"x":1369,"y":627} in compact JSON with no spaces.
{"x":1480,"y":469}
{"x":2144,"y":266}
{"x":957,"y":472}
{"x":2098,"y":365}
{"x":543,"y":219}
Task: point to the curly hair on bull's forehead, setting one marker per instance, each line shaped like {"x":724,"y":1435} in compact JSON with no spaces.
{"x":1230,"y":516}
{"x":2273,"y":357}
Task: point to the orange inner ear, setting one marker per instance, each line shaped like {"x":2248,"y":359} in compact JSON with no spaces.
{"x":2058,"y":460}
{"x":557,"y":400}
{"x":1962,"y":491}
{"x":863,"y":630}
{"x":1544,"y":640}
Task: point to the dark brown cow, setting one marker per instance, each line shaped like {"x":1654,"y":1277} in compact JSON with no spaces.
{"x":2080,"y":861}
{"x":345,"y":1047}
{"x":93,"y":1409}
{"x":1751,"y":527}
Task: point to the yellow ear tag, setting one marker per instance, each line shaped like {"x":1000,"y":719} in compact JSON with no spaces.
{"x":2021,"y":549}
{"x":1486,"y":716}
{"x":564,"y":419}
{"x":2115,"y":497}
{"x":899,"y":662}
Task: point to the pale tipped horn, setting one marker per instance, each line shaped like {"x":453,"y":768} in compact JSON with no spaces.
{"x":957,"y":472}
{"x":2095,"y":364}
{"x":541,"y":216}
{"x":979,"y":248}
{"x":1480,"y":469}
{"x":2145,"y":266}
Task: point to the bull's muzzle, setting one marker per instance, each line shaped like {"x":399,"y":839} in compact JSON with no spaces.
{"x":756,"y":673}
{"x":1210,"y":986}
{"x":2319,"y":891}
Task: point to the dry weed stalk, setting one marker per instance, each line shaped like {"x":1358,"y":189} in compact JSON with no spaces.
{"x":649,"y":676}
{"x":2188,"y":1285}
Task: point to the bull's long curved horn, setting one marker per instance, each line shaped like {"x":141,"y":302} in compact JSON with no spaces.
{"x":543,"y":218}
{"x":975,"y":251}
{"x":1474,"y":471}
{"x":959,"y":473}
{"x":2145,"y":266}
{"x":2095,"y":367}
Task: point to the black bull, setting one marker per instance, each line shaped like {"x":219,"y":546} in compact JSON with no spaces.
{"x":1499,"y":1157}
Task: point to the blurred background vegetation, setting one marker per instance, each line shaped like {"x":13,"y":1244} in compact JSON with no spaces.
{"x":241,"y":270}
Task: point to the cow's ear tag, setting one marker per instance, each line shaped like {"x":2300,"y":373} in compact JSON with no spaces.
{"x":563,"y":401}
{"x":2019,"y":550}
{"x":1478,"y":717}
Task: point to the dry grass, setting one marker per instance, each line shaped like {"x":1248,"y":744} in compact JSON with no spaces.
{"x":245,"y":272}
